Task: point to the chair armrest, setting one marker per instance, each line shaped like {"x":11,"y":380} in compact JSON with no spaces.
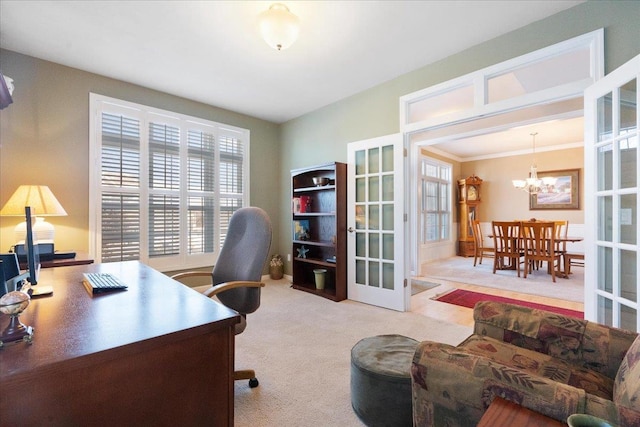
{"x":214,"y":290}
{"x":450,"y":383}
{"x":580,"y":342}
{"x":187,"y":274}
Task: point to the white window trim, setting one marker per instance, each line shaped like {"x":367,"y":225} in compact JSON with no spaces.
{"x":593,"y":40}
{"x":438,"y":242}
{"x":183,"y":260}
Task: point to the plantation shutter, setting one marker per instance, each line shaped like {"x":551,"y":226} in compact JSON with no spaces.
{"x":164,"y":190}
{"x":165,"y":185}
{"x":120,"y":180}
{"x":201,"y":161}
{"x":231,"y":148}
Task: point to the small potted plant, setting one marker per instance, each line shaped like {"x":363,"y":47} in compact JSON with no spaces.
{"x":276,"y":267}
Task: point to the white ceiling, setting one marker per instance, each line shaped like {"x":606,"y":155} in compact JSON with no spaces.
{"x":210,"y":51}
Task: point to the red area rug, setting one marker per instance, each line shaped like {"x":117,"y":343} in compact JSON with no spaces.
{"x":469,"y":299}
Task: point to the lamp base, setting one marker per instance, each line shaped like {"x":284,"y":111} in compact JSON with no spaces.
{"x":43,"y":232}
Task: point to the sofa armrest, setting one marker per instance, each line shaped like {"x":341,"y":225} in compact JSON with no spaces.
{"x":449,"y":384}
{"x":577,"y":341}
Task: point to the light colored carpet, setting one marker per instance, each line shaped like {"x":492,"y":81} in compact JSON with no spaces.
{"x":460,"y":269}
{"x":300,"y":346}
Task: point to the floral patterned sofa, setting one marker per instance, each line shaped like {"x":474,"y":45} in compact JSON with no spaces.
{"x":552,"y":364}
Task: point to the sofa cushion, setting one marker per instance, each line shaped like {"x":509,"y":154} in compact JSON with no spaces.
{"x":627,"y":384}
{"x":539,"y":364}
{"x":529,"y":328}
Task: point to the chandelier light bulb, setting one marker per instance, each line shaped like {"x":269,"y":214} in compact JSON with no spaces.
{"x":278,"y":26}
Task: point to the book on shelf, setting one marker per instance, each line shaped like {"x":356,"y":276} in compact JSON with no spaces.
{"x":301,"y":230}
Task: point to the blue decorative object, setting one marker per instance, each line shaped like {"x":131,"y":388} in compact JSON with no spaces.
{"x":302,"y":252}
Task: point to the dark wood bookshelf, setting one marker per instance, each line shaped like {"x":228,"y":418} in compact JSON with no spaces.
{"x":326,"y":214}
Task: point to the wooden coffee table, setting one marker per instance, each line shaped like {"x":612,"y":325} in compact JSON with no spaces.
{"x":501,"y":412}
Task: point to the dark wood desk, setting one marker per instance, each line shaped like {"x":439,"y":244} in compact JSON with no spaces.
{"x":501,"y":412}
{"x":79,"y":259}
{"x":156,"y":354}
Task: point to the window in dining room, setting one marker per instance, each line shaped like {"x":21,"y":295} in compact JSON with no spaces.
{"x":435,"y":206}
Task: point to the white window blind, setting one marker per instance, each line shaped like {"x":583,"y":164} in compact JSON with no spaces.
{"x":167,"y":184}
{"x":435,"y":215}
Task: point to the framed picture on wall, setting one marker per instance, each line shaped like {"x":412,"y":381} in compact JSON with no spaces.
{"x":564,"y":194}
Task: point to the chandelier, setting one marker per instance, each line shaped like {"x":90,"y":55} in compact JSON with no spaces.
{"x":533,"y":184}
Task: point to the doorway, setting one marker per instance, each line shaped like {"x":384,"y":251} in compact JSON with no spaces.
{"x":482,"y":122}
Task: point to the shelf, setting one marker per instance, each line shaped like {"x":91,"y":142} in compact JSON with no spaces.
{"x":329,"y":293}
{"x":316,"y":261}
{"x":318,"y":188}
{"x":324,"y":244}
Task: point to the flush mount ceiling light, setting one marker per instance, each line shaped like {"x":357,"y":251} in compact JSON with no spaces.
{"x":278,"y":26}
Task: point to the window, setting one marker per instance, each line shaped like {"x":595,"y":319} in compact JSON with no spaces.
{"x":435,"y":213}
{"x":166,"y":184}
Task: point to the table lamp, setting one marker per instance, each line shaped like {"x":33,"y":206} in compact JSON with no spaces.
{"x":43,"y":203}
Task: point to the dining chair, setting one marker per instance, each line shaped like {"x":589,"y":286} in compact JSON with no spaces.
{"x":561,"y":230}
{"x":506,"y":244}
{"x":539,"y":241}
{"x":478,"y":239}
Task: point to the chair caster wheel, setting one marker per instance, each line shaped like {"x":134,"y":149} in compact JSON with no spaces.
{"x":253,"y":383}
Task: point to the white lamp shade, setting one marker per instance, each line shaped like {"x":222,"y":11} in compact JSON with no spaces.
{"x":39,"y":197}
{"x":279,"y":27}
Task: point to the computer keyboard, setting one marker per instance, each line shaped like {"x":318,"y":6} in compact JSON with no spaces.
{"x":102,"y":282}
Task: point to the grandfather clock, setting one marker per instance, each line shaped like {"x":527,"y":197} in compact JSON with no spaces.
{"x":468,"y":201}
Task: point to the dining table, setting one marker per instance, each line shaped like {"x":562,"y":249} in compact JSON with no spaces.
{"x":564,"y":273}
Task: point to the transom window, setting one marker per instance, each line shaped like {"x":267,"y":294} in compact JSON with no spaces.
{"x":164,"y":186}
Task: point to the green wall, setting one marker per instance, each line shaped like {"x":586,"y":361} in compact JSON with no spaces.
{"x":44,"y":139}
{"x":323,"y":135}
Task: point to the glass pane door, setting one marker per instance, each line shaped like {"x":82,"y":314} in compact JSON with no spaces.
{"x":376,"y":227}
{"x":611,"y":167}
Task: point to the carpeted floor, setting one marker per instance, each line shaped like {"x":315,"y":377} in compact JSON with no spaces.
{"x":465,"y":298}
{"x":460,"y":269}
{"x":300,"y":346}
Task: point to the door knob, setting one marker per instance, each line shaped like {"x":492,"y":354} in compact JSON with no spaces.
{"x":350,"y":230}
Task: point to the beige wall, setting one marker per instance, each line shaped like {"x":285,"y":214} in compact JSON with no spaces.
{"x":502,"y":202}
{"x":44,"y":139}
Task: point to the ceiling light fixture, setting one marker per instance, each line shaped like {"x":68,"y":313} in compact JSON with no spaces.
{"x":533,"y":184}
{"x":278,"y":26}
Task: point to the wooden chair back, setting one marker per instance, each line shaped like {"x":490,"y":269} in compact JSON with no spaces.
{"x":539,"y":241}
{"x":480,"y":249}
{"x":506,"y":244}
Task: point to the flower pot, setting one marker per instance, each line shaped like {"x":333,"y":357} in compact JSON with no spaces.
{"x":276,"y":271}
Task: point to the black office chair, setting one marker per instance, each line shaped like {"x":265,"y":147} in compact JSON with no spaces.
{"x":237,"y":273}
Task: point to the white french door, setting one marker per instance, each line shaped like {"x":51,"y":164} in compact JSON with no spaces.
{"x":376,"y":268}
{"x":612,"y":205}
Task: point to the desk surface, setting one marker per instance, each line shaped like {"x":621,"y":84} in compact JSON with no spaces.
{"x":76,"y":335}
{"x":79,"y":259}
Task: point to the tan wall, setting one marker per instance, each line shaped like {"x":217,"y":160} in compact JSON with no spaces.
{"x":502,"y":202}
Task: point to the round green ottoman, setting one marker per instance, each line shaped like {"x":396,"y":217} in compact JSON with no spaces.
{"x":381,"y":380}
